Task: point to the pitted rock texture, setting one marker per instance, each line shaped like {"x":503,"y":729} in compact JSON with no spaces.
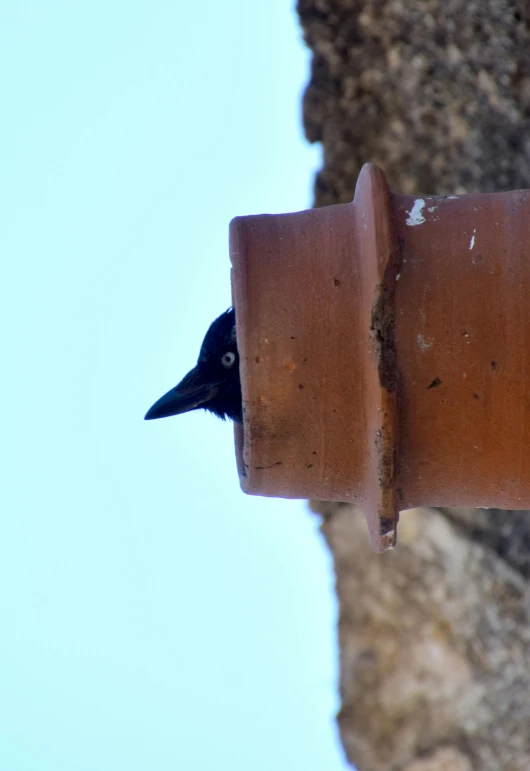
{"x":437,"y":93}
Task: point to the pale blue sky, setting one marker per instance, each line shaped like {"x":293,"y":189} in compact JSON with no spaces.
{"x":152,"y":616}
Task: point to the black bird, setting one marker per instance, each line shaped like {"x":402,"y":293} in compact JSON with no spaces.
{"x":213,"y":384}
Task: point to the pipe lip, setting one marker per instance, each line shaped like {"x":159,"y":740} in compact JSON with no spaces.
{"x":314,"y":293}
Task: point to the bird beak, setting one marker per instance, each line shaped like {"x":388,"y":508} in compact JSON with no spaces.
{"x":190,"y":394}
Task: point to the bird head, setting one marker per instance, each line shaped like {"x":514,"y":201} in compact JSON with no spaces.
{"x":213,"y":384}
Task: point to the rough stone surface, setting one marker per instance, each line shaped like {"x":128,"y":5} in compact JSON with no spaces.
{"x":434,"y":647}
{"x":436,"y":92}
{"x":435,"y":636}
{"x":445,"y":759}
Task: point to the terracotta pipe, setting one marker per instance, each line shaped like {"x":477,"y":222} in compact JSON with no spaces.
{"x":385,"y":352}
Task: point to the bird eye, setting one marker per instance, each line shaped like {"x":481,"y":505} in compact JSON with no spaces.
{"x":228,"y":359}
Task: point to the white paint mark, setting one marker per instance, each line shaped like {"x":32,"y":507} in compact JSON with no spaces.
{"x":415,"y":216}
{"x":432,"y":208}
{"x":398,"y":276}
{"x":472,"y":242}
{"x":424,"y":343}
{"x":452,"y":197}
